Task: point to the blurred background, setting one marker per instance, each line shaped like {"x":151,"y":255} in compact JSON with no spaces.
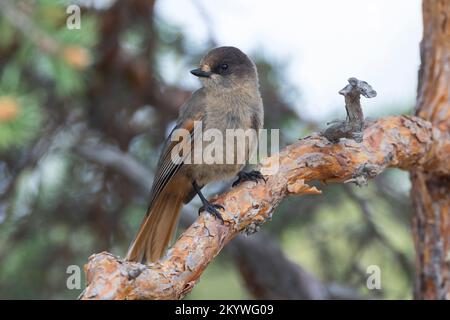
{"x":83,"y":113}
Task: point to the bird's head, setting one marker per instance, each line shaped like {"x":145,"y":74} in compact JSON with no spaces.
{"x":226,"y":68}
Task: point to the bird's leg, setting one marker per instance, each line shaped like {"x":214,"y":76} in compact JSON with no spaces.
{"x":208,"y":207}
{"x":249,"y":176}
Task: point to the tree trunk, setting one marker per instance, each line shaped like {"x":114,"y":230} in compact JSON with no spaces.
{"x":431,"y":189}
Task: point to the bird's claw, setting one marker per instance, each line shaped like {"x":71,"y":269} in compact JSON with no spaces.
{"x":212,"y":209}
{"x":249,"y":176}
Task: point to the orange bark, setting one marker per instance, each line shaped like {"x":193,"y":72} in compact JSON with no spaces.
{"x":431,"y":190}
{"x":401,"y":141}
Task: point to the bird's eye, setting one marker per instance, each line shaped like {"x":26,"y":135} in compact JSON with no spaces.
{"x":224,"y":66}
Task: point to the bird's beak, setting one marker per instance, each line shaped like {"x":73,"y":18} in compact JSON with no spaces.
{"x":200,"y":73}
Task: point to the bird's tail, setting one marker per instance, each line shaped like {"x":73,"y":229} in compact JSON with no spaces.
{"x":157,"y":229}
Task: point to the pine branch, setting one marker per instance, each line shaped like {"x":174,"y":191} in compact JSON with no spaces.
{"x":401,"y":141}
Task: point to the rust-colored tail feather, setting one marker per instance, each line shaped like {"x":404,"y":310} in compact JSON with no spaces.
{"x":157,"y":229}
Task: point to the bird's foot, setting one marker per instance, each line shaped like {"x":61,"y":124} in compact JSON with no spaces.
{"x":212,"y":209}
{"x":249,"y":176}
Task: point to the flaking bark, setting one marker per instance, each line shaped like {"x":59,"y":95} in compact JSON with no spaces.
{"x":401,"y":141}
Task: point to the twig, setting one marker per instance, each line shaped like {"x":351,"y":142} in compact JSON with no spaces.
{"x":354,"y":124}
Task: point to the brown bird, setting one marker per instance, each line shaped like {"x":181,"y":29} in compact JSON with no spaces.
{"x":228,"y":99}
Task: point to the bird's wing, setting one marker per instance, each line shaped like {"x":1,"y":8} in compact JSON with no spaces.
{"x":167,"y":167}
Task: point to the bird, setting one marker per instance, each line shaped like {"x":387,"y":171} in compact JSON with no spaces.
{"x":228,"y":99}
